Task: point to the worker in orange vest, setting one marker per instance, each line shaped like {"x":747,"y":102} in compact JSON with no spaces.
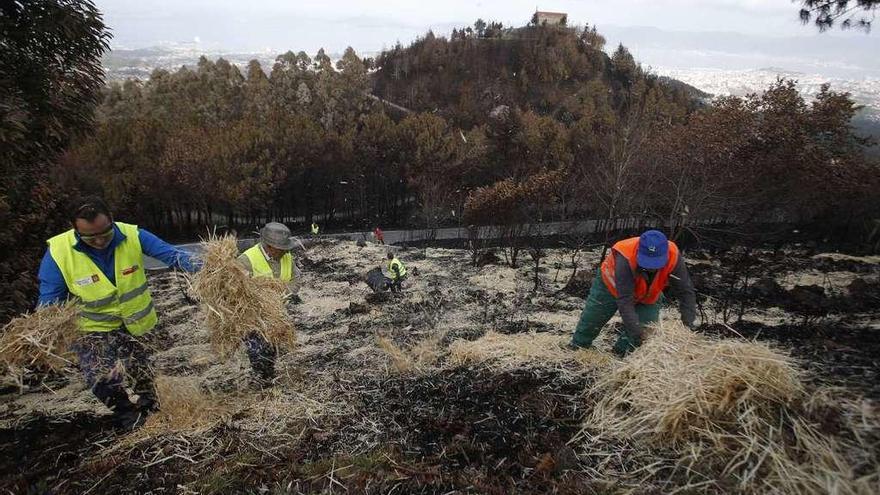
{"x":631,"y":280}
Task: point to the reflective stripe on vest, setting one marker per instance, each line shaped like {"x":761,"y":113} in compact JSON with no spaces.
{"x":642,"y":294}
{"x":104,"y":306}
{"x":401,"y":268}
{"x":260,"y":266}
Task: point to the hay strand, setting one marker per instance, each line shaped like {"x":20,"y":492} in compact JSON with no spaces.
{"x":183,"y":406}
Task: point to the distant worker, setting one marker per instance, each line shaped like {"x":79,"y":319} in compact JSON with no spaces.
{"x":271,"y":257}
{"x":99,"y":263}
{"x":631,"y":280}
{"x":315,"y":230}
{"x":379,"y":235}
{"x":396,"y":273}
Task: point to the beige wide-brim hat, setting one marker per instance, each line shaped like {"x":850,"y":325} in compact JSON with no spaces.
{"x":276,"y":235}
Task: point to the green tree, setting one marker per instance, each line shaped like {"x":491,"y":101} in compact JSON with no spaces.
{"x":849,"y":13}
{"x":480,"y":27}
{"x":50,"y":79}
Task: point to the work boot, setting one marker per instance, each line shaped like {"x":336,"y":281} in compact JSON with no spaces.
{"x":129,"y":419}
{"x":147,"y":402}
{"x":625,"y":345}
{"x":263,"y":373}
{"x":126,"y":415}
{"x":261,"y":383}
{"x":569,"y":345}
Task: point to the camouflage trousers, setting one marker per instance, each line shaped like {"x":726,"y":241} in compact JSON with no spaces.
{"x":108,"y":360}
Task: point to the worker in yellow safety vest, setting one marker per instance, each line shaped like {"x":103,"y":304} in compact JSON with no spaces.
{"x":270,"y":257}
{"x":99,"y":264}
{"x":315,"y":230}
{"x":396,"y":273}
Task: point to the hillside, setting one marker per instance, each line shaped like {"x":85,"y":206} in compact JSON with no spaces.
{"x":458,"y":384}
{"x":548,"y":69}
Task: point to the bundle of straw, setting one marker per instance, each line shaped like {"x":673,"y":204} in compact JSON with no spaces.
{"x":40,"y":340}
{"x":234,"y":304}
{"x":402,"y":362}
{"x":731,"y":409}
{"x":681,"y":385}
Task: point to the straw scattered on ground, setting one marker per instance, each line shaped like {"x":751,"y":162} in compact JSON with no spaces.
{"x":732,"y":411}
{"x":415,"y":359}
{"x":235,"y":304}
{"x":183,"y":405}
{"x":40,"y":341}
{"x":184,"y":412}
{"x":503,"y":352}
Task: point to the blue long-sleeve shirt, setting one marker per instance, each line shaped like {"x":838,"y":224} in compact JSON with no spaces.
{"x":53,"y":288}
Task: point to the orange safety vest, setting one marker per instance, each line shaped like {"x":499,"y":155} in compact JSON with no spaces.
{"x":643,"y":294}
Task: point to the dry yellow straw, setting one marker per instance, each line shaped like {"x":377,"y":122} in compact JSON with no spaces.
{"x":183,"y":405}
{"x":234,"y":304}
{"x":500,"y":351}
{"x":416,"y":359}
{"x":733,"y":410}
{"x":40,"y":340}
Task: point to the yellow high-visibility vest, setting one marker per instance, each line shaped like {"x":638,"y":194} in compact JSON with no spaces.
{"x":400,"y":267}
{"x":104,"y":306}
{"x":261,"y":267}
{"x":315,"y":229}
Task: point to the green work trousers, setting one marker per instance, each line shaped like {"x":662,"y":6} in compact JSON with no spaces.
{"x":600,"y":307}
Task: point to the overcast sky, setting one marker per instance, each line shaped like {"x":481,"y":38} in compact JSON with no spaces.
{"x":368,"y":26}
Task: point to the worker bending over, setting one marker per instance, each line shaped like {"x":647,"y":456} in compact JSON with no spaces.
{"x":631,"y":280}
{"x":396,"y":273}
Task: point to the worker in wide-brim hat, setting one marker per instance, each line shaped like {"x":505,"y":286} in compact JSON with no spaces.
{"x":270,"y":257}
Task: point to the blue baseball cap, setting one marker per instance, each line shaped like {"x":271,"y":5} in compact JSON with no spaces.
{"x":653,"y":250}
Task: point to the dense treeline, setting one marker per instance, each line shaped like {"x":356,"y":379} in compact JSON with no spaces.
{"x":211,"y":146}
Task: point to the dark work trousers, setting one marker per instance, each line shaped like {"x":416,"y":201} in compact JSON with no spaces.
{"x":106,"y":358}
{"x":599,"y":307}
{"x":261,"y":354}
{"x":395,"y":285}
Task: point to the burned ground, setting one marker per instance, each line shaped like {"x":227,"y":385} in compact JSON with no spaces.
{"x":371,"y":400}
